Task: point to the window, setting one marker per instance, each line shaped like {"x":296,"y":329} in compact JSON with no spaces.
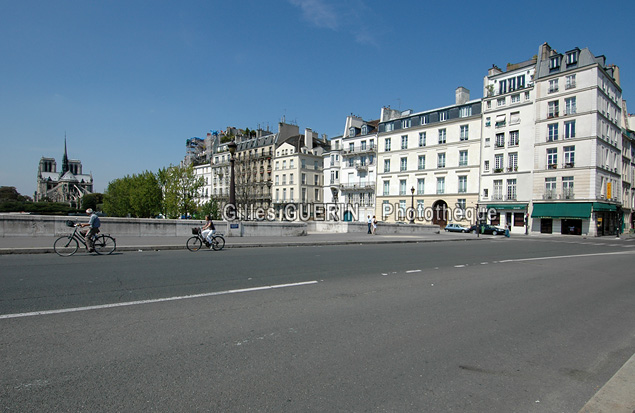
{"x":500,"y":140}
{"x":569,"y":106}
{"x":404,"y":142}
{"x":291,"y":194}
{"x":441,"y":185}
{"x":553,"y":132}
{"x":441,"y":160}
{"x":277,"y":180}
{"x":386,"y":165}
{"x":390,"y":127}
{"x":443,"y":115}
{"x":569,"y":82}
{"x":500,"y":102}
{"x":284,"y":194}
{"x":351,"y":162}
{"x":502,"y":87}
{"x":521,"y":81}
{"x":405,"y":123}
{"x":351,"y":147}
{"x":569,"y":156}
{"x":372,"y":143}
{"x":425,"y":119}
{"x":514,"y":138}
{"x":462,"y":184}
{"x":486,"y":166}
{"x":291,"y":163}
{"x":464,"y":132}
{"x":363,"y":145}
{"x":569,"y":129}
{"x":402,"y":187}
{"x":290,"y":179}
{"x":553,"y":86}
{"x":488,"y":121}
{"x":511,"y":189}
{"x":567,"y":187}
{"x":303,"y":162}
{"x":387,"y":145}
{"x":316,"y":180}
{"x":553,"y":109}
{"x":552,"y":158}
{"x":498,"y":190}
{"x":512,"y":162}
{"x":550,"y":188}
{"x":462,"y":158}
{"x":572,"y":58}
{"x":422,"y":162}
{"x":498,"y":162}
{"x":441,"y":136}
{"x":421,"y":184}
{"x":403,"y":164}
{"x":364,"y":129}
{"x":422,"y":139}
{"x":386,"y":188}
{"x":554,"y":63}
{"x":527,"y":96}
{"x":465,"y":111}
{"x":515,"y":98}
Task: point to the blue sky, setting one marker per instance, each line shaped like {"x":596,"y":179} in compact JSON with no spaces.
{"x":129,"y":81}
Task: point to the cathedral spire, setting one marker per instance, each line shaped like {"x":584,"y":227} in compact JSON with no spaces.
{"x":65,"y":167}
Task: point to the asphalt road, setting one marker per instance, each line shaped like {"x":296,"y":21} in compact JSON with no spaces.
{"x":522,"y":325}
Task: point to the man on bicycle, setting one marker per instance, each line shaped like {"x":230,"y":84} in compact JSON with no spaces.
{"x":93,"y":229}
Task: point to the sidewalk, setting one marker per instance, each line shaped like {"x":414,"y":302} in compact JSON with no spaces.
{"x":39,"y":245}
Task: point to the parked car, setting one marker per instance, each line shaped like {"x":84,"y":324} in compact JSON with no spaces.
{"x":456,"y":228}
{"x":487,"y":229}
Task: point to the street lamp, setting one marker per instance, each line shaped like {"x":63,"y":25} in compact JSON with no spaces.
{"x":231,"y":146}
{"x":412,"y":205}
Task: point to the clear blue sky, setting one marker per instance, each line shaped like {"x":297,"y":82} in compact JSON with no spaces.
{"x":129,"y":81}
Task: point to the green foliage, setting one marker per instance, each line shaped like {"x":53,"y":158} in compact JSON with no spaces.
{"x":180,"y":189}
{"x":39,"y":208}
{"x":211,"y":208}
{"x":92,"y":201}
{"x":8,"y":193}
{"x":139,"y":196}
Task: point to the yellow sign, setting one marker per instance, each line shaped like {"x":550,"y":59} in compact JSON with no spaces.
{"x":608,"y":190}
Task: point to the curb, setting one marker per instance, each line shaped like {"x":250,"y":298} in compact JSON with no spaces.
{"x":49,"y":250}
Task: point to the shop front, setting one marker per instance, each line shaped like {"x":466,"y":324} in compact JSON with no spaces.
{"x":511,"y":216}
{"x":574,"y":218}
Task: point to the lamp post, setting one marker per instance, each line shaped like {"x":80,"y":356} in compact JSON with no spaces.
{"x":412,"y":205}
{"x":231,"y":146}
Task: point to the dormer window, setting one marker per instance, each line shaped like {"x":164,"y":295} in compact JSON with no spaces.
{"x":351,"y":132}
{"x":364,"y":129}
{"x":443,"y":115}
{"x":554,"y":63}
{"x":572,"y":57}
{"x":405,"y":123}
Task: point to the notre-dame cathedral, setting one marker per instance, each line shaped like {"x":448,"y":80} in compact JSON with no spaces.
{"x":69,"y":185}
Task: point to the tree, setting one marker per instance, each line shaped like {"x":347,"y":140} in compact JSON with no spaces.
{"x":147,"y":197}
{"x":211,"y":208}
{"x":117,"y":197}
{"x":92,"y":201}
{"x":9,"y":193}
{"x":180,"y":189}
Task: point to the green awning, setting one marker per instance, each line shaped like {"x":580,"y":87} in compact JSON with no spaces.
{"x":560,"y":210}
{"x":601,"y":206}
{"x":507,"y":206}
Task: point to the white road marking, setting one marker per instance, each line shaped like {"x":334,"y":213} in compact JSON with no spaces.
{"x":156,"y":300}
{"x":409,"y":271}
{"x":567,"y":256}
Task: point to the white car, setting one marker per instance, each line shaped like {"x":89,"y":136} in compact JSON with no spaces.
{"x":456,"y":228}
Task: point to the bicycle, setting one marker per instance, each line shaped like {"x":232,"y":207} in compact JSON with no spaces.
{"x":196,"y":242}
{"x":68,"y":245}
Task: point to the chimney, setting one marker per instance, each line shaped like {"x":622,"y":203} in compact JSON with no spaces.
{"x":462,"y":95}
{"x":308,"y":138}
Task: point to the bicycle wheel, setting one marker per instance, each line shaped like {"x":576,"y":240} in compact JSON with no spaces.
{"x":105,"y":245}
{"x":218,"y":243}
{"x":194,"y":244}
{"x":65,"y":246}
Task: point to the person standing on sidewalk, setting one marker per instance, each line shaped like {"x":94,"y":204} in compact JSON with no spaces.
{"x":374,"y":225}
{"x":93,"y":229}
{"x":370,"y":225}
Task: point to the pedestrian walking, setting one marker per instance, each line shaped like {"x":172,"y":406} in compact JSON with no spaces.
{"x":370,"y":225}
{"x":374,"y":225}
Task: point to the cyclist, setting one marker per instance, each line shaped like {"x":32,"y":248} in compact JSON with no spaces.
{"x":208,"y":229}
{"x":93,"y":229}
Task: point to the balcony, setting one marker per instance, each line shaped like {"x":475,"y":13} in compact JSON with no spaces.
{"x":512,"y":169}
{"x":550,"y":194}
{"x":569,"y":165}
{"x":358,"y":186}
{"x":358,"y":149}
